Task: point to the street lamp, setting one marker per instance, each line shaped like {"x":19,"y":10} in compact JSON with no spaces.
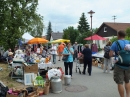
{"x":91,"y":13}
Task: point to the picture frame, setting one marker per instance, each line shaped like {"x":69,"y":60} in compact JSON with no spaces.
{"x":28,"y":78}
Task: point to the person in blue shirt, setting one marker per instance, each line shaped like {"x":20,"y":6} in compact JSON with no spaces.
{"x":68,"y":51}
{"x":121,"y":73}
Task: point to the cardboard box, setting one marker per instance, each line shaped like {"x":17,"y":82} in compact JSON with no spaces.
{"x":31,"y":69}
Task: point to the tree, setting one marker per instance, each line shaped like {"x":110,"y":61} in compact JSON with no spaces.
{"x":16,"y":16}
{"x":49,"y":31}
{"x":83,"y":24}
{"x":128,"y":32}
{"x":94,"y":30}
{"x":70,"y":33}
{"x":81,"y":40}
{"x":36,"y":27}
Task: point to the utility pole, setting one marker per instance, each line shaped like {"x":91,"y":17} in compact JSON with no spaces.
{"x":114,"y":18}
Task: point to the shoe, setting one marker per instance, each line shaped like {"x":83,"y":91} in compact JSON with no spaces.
{"x":89,"y":74}
{"x":58,"y":60}
{"x":83,"y":73}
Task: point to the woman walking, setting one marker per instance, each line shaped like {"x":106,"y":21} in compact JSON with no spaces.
{"x":107,"y":59}
{"x":87,"y":59}
{"x":68,"y":63}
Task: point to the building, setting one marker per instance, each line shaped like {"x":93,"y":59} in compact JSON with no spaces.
{"x":55,"y":36}
{"x":108,"y":30}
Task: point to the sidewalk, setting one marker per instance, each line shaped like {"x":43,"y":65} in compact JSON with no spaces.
{"x":98,"y":85}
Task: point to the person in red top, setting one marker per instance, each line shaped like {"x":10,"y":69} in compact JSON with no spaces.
{"x":60,"y":50}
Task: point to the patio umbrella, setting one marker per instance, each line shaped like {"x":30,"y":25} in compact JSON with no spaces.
{"x":95,"y":37}
{"x":37,"y":41}
{"x":60,"y":40}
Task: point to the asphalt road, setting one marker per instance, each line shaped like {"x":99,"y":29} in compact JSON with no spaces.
{"x":98,"y":85}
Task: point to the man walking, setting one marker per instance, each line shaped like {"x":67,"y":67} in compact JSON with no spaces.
{"x":121,"y":71}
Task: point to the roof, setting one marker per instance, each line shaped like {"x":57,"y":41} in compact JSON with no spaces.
{"x":118,"y":26}
{"x":57,"y":35}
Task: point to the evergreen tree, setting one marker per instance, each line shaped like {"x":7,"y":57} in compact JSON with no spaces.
{"x":49,"y":31}
{"x":83,"y":24}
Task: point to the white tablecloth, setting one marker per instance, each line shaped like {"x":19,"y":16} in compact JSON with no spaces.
{"x":45,"y":65}
{"x":98,"y":55}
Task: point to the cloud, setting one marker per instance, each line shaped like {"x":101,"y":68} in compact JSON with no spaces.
{"x":64,"y":13}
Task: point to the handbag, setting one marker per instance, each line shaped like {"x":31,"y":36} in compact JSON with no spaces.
{"x":65,"y":57}
{"x":106,"y":55}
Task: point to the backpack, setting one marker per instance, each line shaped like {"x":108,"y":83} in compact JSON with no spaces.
{"x":106,"y":54}
{"x":123,"y":56}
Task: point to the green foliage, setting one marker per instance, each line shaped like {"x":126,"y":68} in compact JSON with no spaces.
{"x":127,"y":38}
{"x":113,"y":39}
{"x":49,"y":31}
{"x":36,"y":26}
{"x":16,"y":18}
{"x":70,"y":33}
{"x":80,"y":38}
{"x":99,"y":48}
{"x":94,"y":30}
{"x":83,"y":24}
{"x":128,"y":32}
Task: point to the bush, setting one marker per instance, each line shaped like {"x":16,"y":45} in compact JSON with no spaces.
{"x":115,"y":38}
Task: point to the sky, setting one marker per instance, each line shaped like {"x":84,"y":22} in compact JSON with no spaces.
{"x":64,"y":13}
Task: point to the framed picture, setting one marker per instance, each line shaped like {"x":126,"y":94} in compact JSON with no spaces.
{"x":28,"y":78}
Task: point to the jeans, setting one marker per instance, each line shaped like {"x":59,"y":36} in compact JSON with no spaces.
{"x":107,"y":64}
{"x":70,"y":66}
{"x":54,"y":58}
{"x":75,"y":54}
{"x":89,"y":63}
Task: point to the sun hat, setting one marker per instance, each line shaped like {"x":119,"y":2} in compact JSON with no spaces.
{"x":10,"y":53}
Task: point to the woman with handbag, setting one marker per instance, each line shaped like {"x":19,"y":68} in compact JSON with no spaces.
{"x":68,"y":58}
{"x":107,"y":59}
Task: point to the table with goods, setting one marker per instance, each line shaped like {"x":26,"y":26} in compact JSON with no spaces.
{"x":38,"y":74}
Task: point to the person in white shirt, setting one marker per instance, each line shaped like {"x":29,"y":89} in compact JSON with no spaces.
{"x":54,"y":52}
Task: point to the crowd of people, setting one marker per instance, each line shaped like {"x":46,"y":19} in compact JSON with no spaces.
{"x":73,"y":52}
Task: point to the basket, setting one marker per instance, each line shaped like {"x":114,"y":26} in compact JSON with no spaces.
{"x":80,"y":60}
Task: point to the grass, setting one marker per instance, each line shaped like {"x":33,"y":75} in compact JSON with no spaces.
{"x":4,"y":77}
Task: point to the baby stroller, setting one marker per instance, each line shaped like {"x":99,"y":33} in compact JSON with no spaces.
{"x":79,"y":61}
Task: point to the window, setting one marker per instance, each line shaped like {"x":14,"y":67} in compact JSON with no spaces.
{"x":105,"y":29}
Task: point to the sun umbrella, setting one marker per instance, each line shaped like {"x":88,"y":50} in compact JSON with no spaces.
{"x":95,"y":37}
{"x":37,"y":41}
{"x":60,"y":40}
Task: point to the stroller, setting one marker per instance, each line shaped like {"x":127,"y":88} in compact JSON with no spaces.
{"x":79,"y":61}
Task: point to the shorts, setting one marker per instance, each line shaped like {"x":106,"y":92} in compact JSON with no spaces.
{"x":121,"y":75}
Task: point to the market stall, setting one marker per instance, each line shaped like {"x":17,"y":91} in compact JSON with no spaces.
{"x":29,"y":71}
